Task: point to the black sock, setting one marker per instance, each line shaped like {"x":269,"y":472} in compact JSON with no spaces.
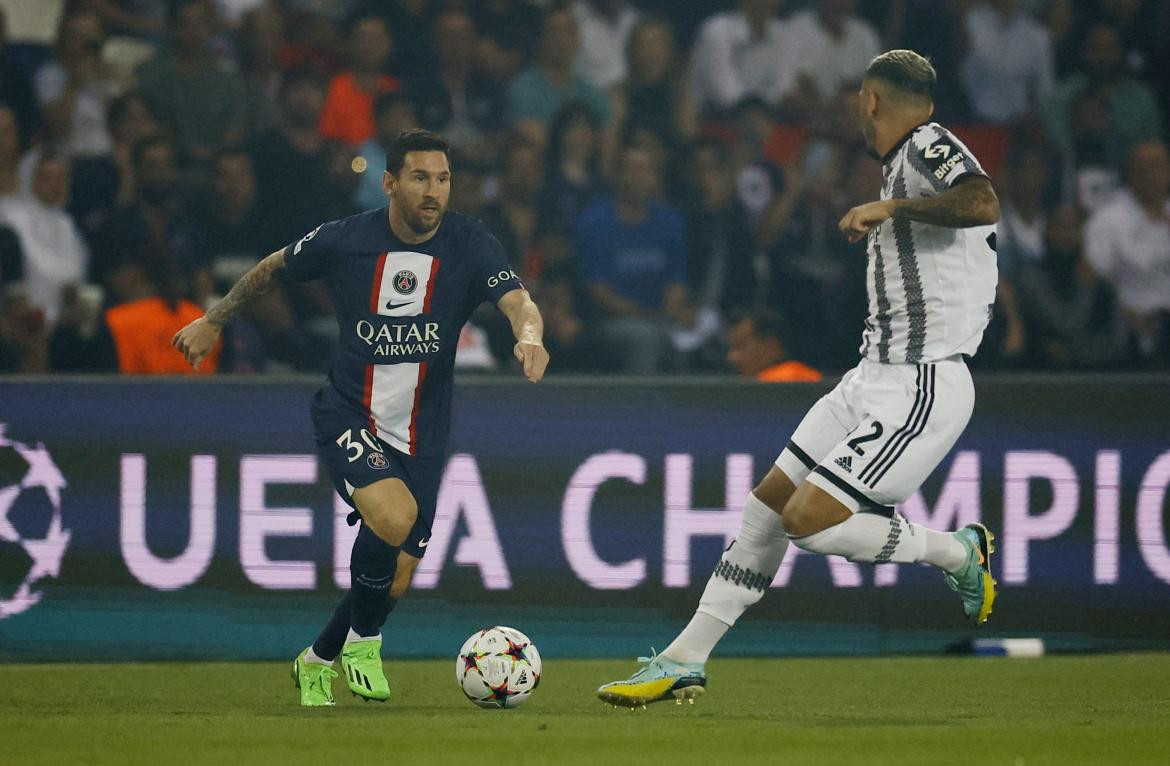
{"x":332,"y":637}
{"x":371,"y":572}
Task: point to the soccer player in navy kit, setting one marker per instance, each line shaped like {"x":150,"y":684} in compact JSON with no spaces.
{"x":404,"y":280}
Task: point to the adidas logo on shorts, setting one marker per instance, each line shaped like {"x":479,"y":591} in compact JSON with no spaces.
{"x":845,"y":462}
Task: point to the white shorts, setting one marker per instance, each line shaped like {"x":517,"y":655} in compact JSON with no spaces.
{"x":873,"y":440}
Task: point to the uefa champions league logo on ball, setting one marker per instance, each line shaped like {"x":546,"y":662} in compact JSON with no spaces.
{"x":32,"y":537}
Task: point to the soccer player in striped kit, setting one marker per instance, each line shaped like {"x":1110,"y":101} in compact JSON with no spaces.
{"x":404,"y":279}
{"x":870,"y":443}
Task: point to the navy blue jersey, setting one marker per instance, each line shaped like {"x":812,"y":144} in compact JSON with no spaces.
{"x":400,"y":309}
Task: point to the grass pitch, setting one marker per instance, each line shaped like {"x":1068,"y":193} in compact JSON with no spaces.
{"x":1055,"y":710}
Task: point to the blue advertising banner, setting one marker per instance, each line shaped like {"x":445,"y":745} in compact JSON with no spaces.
{"x":181,"y":518}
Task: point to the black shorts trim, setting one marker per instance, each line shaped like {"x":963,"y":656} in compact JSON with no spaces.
{"x":801,"y":455}
{"x":866,"y":504}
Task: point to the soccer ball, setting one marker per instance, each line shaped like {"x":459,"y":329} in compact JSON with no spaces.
{"x":32,"y":536}
{"x":498,"y":667}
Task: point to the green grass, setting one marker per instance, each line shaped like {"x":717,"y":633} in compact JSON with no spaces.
{"x":1055,"y":710}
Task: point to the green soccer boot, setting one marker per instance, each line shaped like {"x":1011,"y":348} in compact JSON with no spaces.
{"x":361,"y":662}
{"x":314,"y":680}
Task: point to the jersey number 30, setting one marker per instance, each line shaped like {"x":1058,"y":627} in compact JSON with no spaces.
{"x":355,"y":448}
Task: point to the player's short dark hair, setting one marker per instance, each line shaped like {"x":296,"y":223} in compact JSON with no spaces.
{"x":415,"y":140}
{"x":909,"y":72}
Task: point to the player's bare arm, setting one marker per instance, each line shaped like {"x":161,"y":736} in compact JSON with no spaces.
{"x":528,"y":327}
{"x":196,"y":340}
{"x":970,"y":202}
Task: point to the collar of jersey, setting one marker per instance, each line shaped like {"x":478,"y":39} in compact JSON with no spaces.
{"x":894,"y":149}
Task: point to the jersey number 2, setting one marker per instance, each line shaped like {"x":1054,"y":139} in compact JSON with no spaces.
{"x":856,"y":442}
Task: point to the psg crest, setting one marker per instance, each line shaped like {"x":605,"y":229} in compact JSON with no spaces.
{"x":377,"y":460}
{"x":405,"y":282}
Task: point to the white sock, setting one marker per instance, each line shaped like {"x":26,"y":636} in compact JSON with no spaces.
{"x":356,"y":637}
{"x":740,"y":579}
{"x":311,"y":656}
{"x":872,"y":538}
{"x":697,"y":639}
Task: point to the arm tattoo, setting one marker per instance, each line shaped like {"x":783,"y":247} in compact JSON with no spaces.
{"x":968,"y":203}
{"x":257,"y":281}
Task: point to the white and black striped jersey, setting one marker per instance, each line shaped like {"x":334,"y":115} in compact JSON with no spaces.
{"x":930,"y":287}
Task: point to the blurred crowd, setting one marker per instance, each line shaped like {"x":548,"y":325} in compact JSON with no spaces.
{"x":665,"y":176}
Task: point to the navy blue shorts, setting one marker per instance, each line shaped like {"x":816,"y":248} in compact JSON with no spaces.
{"x":355,"y":458}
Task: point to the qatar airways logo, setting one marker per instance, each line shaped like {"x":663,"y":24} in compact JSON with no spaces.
{"x":400,"y":339}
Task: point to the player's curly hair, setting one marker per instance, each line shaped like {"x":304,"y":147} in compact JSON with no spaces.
{"x":906,"y":70}
{"x":414,"y":140}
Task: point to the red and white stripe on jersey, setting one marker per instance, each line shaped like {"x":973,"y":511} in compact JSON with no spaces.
{"x":402,"y":286}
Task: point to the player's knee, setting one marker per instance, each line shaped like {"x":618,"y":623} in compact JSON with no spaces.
{"x":796,"y":518}
{"x":391,"y":521}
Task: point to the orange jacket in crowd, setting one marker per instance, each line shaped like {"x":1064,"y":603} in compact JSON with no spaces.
{"x":349,"y":111}
{"x":789,"y":372}
{"x":142,"y":333}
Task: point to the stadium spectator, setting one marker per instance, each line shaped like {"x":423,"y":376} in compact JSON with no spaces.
{"x":15,"y":89}
{"x":836,"y":45}
{"x":411,"y":22}
{"x":936,"y":29}
{"x":541,"y":90}
{"x":81,"y":340}
{"x":1019,"y":242}
{"x":1132,"y":112}
{"x":349,"y":107}
{"x":513,"y":215}
{"x":509,"y":30}
{"x":230,"y":222}
{"x":756,"y":349}
{"x":200,"y":98}
{"x":605,"y":27}
{"x":73,"y":89}
{"x":55,"y":255}
{"x":142,"y":329}
{"x":291,"y":160}
{"x":572,"y":167}
{"x":456,"y":99}
{"x":744,"y":53}
{"x":1127,"y":242}
{"x":817,"y":279}
{"x":631,"y":253}
{"x":393,"y":113}
{"x":10,"y":145}
{"x":467,"y":188}
{"x":654,"y":95}
{"x":720,"y":273}
{"x":1072,"y":316}
{"x":1007,"y":71}
{"x":759,"y":180}
{"x":150,"y":233}
{"x":261,"y":43}
{"x":24,"y":344}
{"x":103,"y":183}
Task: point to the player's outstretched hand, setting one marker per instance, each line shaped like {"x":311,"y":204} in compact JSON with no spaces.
{"x":858,"y":221}
{"x":196,"y":340}
{"x":534,"y":358}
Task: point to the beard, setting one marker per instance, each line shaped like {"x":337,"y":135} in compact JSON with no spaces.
{"x":869,"y":134}
{"x":420,"y":225}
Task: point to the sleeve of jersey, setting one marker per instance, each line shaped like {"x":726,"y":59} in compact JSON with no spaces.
{"x":495,"y":275}
{"x":944,"y":160}
{"x":310,"y":257}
